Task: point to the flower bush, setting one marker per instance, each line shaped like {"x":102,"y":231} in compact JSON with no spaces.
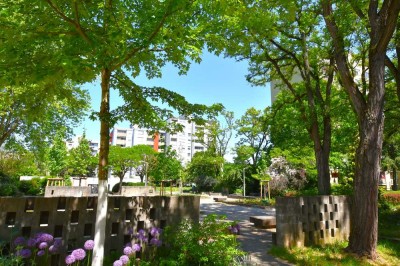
{"x":36,"y":251}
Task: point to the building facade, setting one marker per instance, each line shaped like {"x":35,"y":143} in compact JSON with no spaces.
{"x":184,"y":143}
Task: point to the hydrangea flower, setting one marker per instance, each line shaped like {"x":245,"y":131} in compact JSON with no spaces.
{"x":25,"y":253}
{"x":79,"y":254}
{"x":70,"y":259}
{"x":136,"y":247}
{"x":117,"y":263}
{"x":19,"y":241}
{"x":89,"y":245}
{"x":43,"y":245}
{"x":40,"y":253}
{"x":128,"y":251}
{"x":124,"y":259}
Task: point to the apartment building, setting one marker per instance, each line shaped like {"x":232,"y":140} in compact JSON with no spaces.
{"x":184,"y":143}
{"x":74,"y":142}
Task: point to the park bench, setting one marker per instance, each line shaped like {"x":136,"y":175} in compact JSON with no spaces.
{"x":263,"y":221}
{"x":219,"y":198}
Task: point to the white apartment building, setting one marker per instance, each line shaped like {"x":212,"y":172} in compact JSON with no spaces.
{"x":74,"y":142}
{"x":184,"y":143}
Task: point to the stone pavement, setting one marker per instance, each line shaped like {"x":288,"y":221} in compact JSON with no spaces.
{"x":256,"y":242}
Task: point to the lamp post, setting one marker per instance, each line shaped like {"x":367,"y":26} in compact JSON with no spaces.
{"x":244,"y":183}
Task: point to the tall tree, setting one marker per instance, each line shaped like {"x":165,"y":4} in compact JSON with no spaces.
{"x":378,"y":20}
{"x":216,"y":134}
{"x":284,"y":44}
{"x":253,"y":132}
{"x":57,"y":155}
{"x":30,"y":115}
{"x":81,"y":162}
{"x":114,"y":40}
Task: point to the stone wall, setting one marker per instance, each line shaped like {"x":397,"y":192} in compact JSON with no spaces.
{"x":72,"y":219}
{"x":314,"y":220}
{"x":66,"y":191}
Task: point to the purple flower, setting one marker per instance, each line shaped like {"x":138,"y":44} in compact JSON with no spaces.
{"x":40,"y":253}
{"x":25,"y":253}
{"x":19,"y":241}
{"x":44,"y":237}
{"x":117,"y":263}
{"x":124,"y":259}
{"x":79,"y":254}
{"x":142,"y":236}
{"x":43,"y":245}
{"x":130,"y":231}
{"x":155,"y":242}
{"x":89,"y":245}
{"x":136,"y":247}
{"x":70,"y":259}
{"x":155,"y":231}
{"x":31,"y":242}
{"x":53,"y":249}
{"x":128,"y":251}
{"x":57,"y":243}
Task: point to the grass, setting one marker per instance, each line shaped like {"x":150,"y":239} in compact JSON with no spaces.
{"x":388,"y":250}
{"x":389,"y":254}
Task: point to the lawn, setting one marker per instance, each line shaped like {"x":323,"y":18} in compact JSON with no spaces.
{"x":389,"y":254}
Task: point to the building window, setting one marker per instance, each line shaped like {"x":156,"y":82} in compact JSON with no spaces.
{"x":174,"y":139}
{"x":149,"y":139}
{"x":121,"y":138}
{"x":122,"y":131}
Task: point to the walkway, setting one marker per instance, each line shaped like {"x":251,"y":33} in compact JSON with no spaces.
{"x":253,"y":240}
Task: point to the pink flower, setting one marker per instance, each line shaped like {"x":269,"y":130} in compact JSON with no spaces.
{"x":89,"y":245}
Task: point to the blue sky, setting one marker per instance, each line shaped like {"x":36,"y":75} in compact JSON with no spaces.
{"x":214,"y":80}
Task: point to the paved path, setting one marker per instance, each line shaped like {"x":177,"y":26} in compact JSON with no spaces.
{"x":253,"y":240}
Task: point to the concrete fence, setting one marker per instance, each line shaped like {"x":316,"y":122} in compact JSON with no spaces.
{"x":72,"y":219}
{"x":313,"y":220}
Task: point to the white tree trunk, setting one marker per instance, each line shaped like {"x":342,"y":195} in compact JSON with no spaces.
{"x":101,"y":220}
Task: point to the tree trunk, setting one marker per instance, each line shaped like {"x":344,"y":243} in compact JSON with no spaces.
{"x":395,"y":183}
{"x":102,"y":203}
{"x":120,"y":185}
{"x":364,"y":214}
{"x":322,"y":160}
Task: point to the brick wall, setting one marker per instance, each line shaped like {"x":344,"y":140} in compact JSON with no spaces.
{"x":314,"y":220}
{"x":72,"y":219}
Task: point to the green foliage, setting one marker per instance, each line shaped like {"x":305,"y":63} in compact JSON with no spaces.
{"x":334,"y":254}
{"x":80,"y":160}
{"x":34,"y":187}
{"x":18,"y":161}
{"x":253,"y":131}
{"x":8,"y":185}
{"x":205,"y":170}
{"x":131,"y":184}
{"x":206,"y":243}
{"x":166,"y":166}
{"x":57,"y":155}
{"x":388,"y":222}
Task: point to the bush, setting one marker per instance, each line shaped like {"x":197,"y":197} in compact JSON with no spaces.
{"x":342,"y":189}
{"x":133,"y":184}
{"x":207,"y":243}
{"x":33,"y":187}
{"x":392,"y":198}
{"x":8,"y":185}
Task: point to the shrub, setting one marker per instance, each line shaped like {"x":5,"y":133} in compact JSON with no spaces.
{"x":210,"y":242}
{"x":8,"y":185}
{"x":392,"y":198}
{"x":33,"y":187}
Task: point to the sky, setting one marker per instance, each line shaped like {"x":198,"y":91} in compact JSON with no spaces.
{"x":214,"y":80}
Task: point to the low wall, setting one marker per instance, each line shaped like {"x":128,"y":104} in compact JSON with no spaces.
{"x":129,"y":191}
{"x":66,"y":191}
{"x":72,"y":219}
{"x":314,"y":220}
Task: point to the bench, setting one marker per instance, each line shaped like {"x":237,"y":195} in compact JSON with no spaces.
{"x":219,"y":199}
{"x":263,"y":221}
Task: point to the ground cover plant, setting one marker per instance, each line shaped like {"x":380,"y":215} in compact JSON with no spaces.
{"x":388,"y":254}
